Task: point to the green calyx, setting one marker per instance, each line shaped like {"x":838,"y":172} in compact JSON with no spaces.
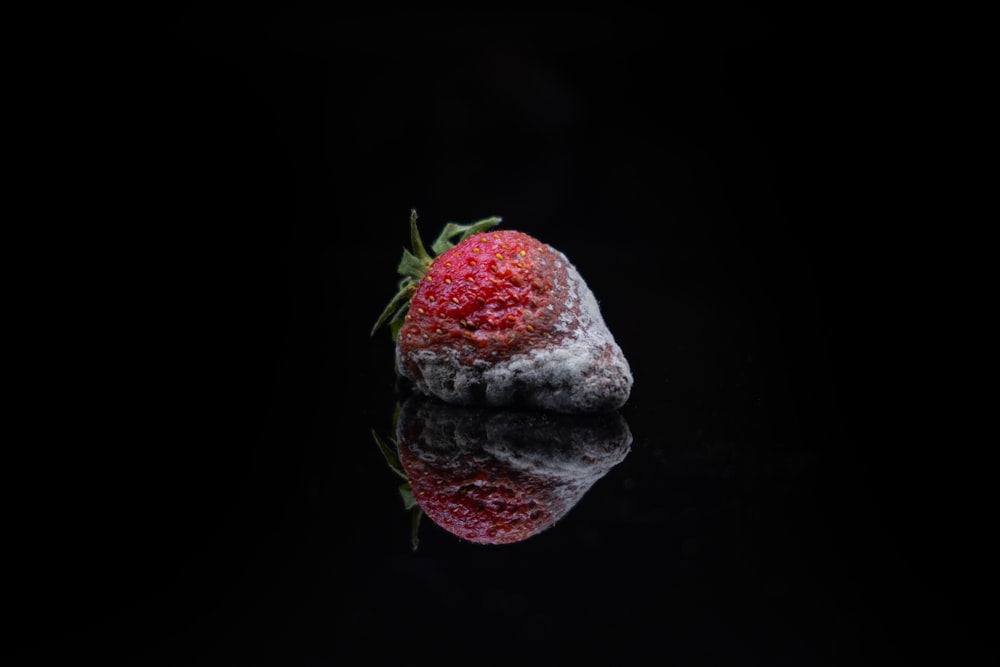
{"x":405,"y":490}
{"x":414,"y":265}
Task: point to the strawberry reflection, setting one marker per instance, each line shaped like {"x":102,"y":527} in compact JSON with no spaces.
{"x":494,"y":476}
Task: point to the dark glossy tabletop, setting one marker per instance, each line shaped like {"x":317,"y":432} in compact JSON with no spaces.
{"x":233,"y":490}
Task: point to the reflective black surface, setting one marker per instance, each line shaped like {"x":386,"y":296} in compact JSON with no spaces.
{"x":201,"y":485}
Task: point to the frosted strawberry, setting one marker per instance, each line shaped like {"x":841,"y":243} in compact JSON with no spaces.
{"x":499,"y":318}
{"x":499,"y":476}
{"x":502,"y":476}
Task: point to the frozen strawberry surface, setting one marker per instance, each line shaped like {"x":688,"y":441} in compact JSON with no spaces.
{"x":502,"y":319}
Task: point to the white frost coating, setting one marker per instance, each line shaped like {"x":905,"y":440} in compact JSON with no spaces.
{"x":588,"y":462}
{"x":585,"y":372}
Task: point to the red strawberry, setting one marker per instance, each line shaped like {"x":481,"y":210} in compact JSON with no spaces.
{"x":502,"y":319}
{"x":502,"y":476}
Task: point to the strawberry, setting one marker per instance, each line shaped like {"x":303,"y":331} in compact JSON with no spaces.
{"x":501,"y":319}
{"x":501,"y":476}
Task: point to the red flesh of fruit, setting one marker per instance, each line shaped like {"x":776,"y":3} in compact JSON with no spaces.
{"x":488,"y":294}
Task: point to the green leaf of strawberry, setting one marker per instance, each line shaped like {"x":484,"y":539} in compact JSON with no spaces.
{"x":451,"y":230}
{"x":405,"y":491}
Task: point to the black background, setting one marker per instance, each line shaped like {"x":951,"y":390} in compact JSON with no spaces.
{"x":201,"y":485}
